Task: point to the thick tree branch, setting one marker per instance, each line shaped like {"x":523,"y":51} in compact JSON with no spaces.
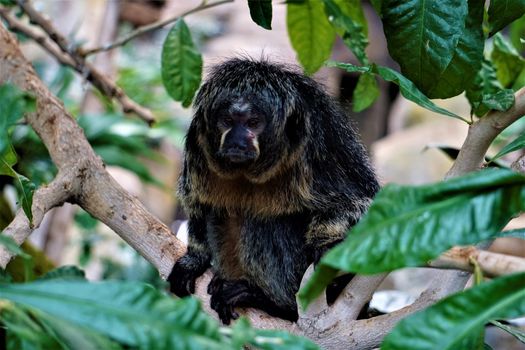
{"x":151,"y":27}
{"x":58,"y":46}
{"x":481,"y":134}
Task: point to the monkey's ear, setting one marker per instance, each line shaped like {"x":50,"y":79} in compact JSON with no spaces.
{"x":296,"y":127}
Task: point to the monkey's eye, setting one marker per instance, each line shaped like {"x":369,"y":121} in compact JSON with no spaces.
{"x":228,"y":121}
{"x":252,"y":123}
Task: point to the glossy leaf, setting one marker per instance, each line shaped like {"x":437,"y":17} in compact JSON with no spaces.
{"x":423,"y":36}
{"x":407,"y":88}
{"x":486,"y":92}
{"x":503,"y":12}
{"x":352,"y":32}
{"x":467,"y":57}
{"x":447,"y":324}
{"x":181,"y":64}
{"x":410,"y":225}
{"x":365,"y":92}
{"x":261,"y":12}
{"x":133,"y":314}
{"x":516,"y":32}
{"x":507,"y":61}
{"x":311,"y":35}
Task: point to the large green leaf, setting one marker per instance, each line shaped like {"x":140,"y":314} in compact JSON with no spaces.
{"x":467,"y":58}
{"x":503,"y":12}
{"x":447,"y":325}
{"x":181,"y":64}
{"x":133,"y":314}
{"x":407,"y":88}
{"x":411,"y":225}
{"x":311,"y":35}
{"x":486,"y":92}
{"x":352,"y":32}
{"x":423,"y":35}
{"x":365,"y":92}
{"x":507,"y":61}
{"x":261,"y":12}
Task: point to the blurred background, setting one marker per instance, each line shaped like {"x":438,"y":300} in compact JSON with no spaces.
{"x":408,"y":145}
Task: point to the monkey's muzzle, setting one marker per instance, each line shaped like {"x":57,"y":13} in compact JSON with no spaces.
{"x":238,"y":156}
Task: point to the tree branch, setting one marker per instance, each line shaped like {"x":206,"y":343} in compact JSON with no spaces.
{"x":491,"y":264}
{"x":150,"y":27}
{"x":59,"y":47}
{"x":481,"y":134}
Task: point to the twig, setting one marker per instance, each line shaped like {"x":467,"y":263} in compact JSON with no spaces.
{"x":67,"y":56}
{"x":150,"y":27}
{"x":491,"y":264}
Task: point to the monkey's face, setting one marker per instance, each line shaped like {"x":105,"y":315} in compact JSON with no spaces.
{"x":239,"y":126}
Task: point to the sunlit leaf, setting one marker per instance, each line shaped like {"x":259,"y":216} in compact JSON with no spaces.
{"x":411,"y":225}
{"x":181,"y":64}
{"x":310,"y":33}
{"x":447,"y":325}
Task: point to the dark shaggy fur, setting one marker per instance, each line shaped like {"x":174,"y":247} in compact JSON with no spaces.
{"x":260,"y":225}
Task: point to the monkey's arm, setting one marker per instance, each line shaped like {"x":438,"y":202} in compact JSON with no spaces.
{"x":195,"y":261}
{"x":330,"y":226}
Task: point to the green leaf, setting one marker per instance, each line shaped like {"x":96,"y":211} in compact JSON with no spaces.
{"x":311,"y":35}
{"x":354,"y":10}
{"x":113,"y":155}
{"x":352,"y":32}
{"x":10,"y":244}
{"x":13,"y":104}
{"x":516,"y":32}
{"x":518,"y":233}
{"x":133,"y":314}
{"x":515,"y":331}
{"x":411,"y":225}
{"x":515,"y":145}
{"x":261,"y":12}
{"x":64,"y":272}
{"x":423,"y":36}
{"x":407,"y":88}
{"x":23,"y":185}
{"x":365,"y":92}
{"x":503,"y":12}
{"x":487,"y":93}
{"x":507,"y":61}
{"x":181,"y":64}
{"x":467,"y":58}
{"x":446,"y":324}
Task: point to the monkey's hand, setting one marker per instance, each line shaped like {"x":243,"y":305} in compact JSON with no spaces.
{"x":184,"y":273}
{"x":226,"y":295}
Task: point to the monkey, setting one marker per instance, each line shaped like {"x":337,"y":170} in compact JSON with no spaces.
{"x":274,"y":175}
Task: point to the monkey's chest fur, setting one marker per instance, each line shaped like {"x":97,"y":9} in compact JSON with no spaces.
{"x":257,"y":233}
